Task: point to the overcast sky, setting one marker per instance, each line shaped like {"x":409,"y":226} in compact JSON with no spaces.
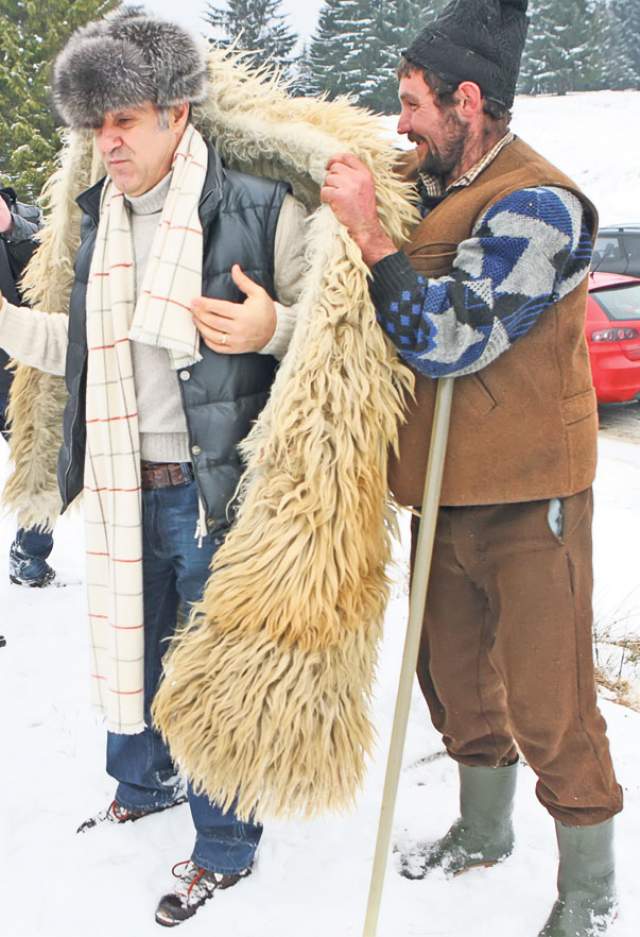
{"x":303,"y":14}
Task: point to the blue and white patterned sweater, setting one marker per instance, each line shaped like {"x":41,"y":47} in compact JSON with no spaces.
{"x":526,"y":252}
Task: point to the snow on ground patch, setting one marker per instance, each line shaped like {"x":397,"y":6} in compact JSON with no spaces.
{"x":311,"y":879}
{"x":594,"y":139}
{"x":616,"y":568}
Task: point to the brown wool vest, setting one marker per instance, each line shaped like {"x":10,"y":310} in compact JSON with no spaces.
{"x":524,"y":428}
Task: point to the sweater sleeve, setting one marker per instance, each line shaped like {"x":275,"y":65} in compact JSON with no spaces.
{"x":34,"y":338}
{"x":525,"y":253}
{"x":289,"y":265}
{"x":22,"y":229}
{"x":20,"y":240}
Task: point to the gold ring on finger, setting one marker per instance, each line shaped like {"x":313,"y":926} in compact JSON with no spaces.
{"x":223,"y":338}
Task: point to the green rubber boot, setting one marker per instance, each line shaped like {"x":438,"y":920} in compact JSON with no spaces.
{"x":586,"y":902}
{"x":483,"y":833}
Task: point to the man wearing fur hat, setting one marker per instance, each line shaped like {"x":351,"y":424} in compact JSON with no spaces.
{"x":491,"y":289}
{"x":163,"y":382}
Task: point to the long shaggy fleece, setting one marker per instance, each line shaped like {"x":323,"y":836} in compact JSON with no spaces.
{"x":266,"y":697}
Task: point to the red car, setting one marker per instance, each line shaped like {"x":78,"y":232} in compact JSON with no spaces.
{"x":613,"y":336}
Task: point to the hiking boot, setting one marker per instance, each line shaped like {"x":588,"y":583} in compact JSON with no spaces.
{"x":586,"y":902}
{"x":117,"y":813}
{"x":27,"y":570}
{"x":195,"y":885}
{"x":481,"y":836}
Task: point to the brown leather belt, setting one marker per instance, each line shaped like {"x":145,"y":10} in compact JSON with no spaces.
{"x":165,"y":474}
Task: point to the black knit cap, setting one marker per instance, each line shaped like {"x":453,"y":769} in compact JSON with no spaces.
{"x":475,"y":40}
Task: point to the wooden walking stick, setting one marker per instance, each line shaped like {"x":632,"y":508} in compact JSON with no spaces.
{"x":420,"y":582}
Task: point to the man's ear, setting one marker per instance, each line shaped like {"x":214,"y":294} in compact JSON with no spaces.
{"x":179,"y":115}
{"x":469,"y":98}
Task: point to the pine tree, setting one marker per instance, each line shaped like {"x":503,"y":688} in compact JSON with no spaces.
{"x":561,"y":53}
{"x":302,"y":76}
{"x":621,"y":46}
{"x":32,"y":33}
{"x":357,"y":46}
{"x":334,"y":48}
{"x":395,"y":24}
{"x":254,"y":25}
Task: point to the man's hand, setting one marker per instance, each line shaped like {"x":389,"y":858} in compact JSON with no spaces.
{"x":350,"y":192}
{"x":6,"y":221}
{"x":236,"y":328}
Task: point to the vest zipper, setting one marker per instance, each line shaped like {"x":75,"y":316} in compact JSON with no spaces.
{"x":65,"y":500}
{"x":201,"y":525}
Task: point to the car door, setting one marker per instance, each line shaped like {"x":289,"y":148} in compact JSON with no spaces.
{"x":632,"y":250}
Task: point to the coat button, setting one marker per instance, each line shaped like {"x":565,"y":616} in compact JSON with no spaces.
{"x":196,"y":450}
{"x":184,"y":375}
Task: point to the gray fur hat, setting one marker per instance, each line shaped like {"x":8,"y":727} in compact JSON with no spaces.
{"x":122,"y":61}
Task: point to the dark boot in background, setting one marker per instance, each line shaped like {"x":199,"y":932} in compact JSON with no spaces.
{"x":28,"y":558}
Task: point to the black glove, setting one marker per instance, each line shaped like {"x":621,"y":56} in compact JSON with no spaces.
{"x":10,"y":197}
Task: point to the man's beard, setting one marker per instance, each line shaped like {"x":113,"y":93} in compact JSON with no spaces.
{"x":441,"y":162}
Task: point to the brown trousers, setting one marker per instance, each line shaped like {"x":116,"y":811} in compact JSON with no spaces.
{"x":506,"y":656}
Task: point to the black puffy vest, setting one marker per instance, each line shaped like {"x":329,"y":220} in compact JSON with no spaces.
{"x":222,"y":394}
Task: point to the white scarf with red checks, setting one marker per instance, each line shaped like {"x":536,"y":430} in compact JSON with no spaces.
{"x":160,"y":316}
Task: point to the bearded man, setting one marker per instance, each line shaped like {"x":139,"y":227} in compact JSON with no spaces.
{"x":164,"y":381}
{"x":491,"y":289}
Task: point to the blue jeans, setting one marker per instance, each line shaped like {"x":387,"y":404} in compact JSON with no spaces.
{"x":33,"y":543}
{"x":175,"y":572}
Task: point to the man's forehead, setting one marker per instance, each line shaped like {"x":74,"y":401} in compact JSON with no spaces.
{"x":413,"y":87}
{"x":145,"y":108}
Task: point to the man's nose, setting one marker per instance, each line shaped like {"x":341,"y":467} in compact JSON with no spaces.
{"x":108,"y":140}
{"x":404,"y":124}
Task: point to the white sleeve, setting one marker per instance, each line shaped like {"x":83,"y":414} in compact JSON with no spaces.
{"x":34,"y":338}
{"x":288,"y":263}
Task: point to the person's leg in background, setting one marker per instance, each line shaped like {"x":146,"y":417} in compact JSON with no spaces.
{"x":30,"y":550}
{"x":28,"y":558}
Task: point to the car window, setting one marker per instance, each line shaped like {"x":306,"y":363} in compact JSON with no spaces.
{"x":632,"y":247}
{"x":608,"y":254}
{"x":619,"y":303}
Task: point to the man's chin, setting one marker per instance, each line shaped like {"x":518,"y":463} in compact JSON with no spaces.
{"x":127,"y":185}
{"x":428,"y":161}
{"x":422,"y":149}
{"x":122,"y":179}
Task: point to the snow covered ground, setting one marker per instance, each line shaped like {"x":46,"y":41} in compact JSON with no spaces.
{"x":594,"y":138}
{"x":617,"y":578}
{"x":311,"y":879}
